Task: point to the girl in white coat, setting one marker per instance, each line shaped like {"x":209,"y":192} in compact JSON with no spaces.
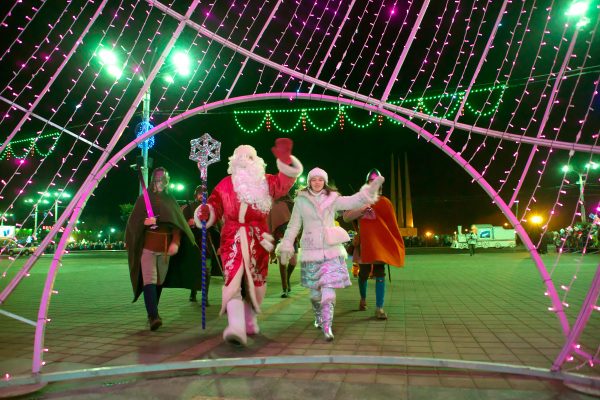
{"x":322,"y":255}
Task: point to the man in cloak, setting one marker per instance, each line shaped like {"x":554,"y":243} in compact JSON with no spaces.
{"x":161,"y":249}
{"x":242,"y":200}
{"x":380,"y":243}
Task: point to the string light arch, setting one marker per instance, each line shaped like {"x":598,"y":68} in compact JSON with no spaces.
{"x":292,"y":61}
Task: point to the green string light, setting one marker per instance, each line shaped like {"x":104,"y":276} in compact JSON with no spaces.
{"x":30,"y":149}
{"x":342,"y":117}
{"x":288,"y":130}
{"x":327,"y":128}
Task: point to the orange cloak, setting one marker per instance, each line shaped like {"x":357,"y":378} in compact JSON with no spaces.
{"x":380,"y":239}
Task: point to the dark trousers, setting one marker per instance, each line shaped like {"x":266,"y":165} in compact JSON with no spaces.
{"x":471,"y":249}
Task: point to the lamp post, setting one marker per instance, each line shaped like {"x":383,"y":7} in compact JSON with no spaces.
{"x":35,"y":212}
{"x":582,"y":177}
{"x":110,"y":232}
{"x":57,"y":197}
{"x":180,"y":64}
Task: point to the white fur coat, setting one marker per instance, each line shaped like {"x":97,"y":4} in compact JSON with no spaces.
{"x":313,"y":217}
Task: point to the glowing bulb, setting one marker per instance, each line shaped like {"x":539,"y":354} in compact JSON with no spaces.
{"x":577,"y":8}
{"x":107,"y":57}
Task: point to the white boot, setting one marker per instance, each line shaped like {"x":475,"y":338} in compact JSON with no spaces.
{"x":251,"y":322}
{"x":316,"y":305}
{"x":235,"y":333}
{"x":252,"y":327}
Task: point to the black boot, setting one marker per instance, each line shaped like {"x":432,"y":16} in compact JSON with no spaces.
{"x":284,"y":280}
{"x":290,"y":269}
{"x":151,"y":302}
{"x":159,"y":289}
{"x":193,"y":294}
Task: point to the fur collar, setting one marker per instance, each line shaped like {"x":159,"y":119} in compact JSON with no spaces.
{"x":320,"y":207}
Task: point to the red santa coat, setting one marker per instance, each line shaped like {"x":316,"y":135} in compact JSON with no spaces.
{"x":247,"y":237}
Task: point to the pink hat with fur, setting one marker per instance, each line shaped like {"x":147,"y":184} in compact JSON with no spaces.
{"x":318,"y":172}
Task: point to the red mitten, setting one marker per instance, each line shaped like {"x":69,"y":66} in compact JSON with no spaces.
{"x":203,"y":212}
{"x":283,"y":150}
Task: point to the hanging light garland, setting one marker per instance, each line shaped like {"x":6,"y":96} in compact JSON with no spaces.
{"x":30,"y":149}
{"x":342,"y":117}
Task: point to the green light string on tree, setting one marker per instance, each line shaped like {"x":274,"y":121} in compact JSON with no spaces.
{"x":31,"y":149}
{"x":342,"y":117}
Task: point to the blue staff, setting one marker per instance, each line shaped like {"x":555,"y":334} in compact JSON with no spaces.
{"x":204,"y":151}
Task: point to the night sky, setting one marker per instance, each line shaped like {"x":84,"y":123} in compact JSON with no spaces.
{"x":443,"y":195}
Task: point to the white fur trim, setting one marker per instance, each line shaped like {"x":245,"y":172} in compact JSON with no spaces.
{"x":285,"y":252}
{"x":242,"y":214}
{"x":211,"y":219}
{"x":267,"y":242}
{"x":321,"y":254}
{"x":293,"y":171}
{"x":370,"y":191}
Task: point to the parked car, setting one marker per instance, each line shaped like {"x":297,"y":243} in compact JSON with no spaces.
{"x":12,"y":248}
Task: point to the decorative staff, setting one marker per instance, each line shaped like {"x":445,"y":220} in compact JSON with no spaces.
{"x":145,"y":194}
{"x":204,"y":151}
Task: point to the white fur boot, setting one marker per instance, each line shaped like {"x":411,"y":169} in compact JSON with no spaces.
{"x":235,"y":333}
{"x":251,"y":322}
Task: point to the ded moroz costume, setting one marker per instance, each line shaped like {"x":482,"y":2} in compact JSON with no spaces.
{"x":242,"y":201}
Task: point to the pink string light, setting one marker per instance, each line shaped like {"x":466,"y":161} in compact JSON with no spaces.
{"x":299,"y":48}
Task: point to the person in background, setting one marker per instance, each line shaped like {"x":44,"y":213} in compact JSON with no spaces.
{"x":278,"y":221}
{"x":161,"y":249}
{"x":323,"y":256}
{"x":379,"y":243}
{"x":188,"y":213}
{"x":472,"y":240}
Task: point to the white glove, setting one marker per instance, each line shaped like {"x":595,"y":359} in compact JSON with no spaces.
{"x":285,"y":253}
{"x":373,"y":187}
{"x":285,"y":257}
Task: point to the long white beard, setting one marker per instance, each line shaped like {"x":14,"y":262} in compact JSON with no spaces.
{"x":251,"y":187}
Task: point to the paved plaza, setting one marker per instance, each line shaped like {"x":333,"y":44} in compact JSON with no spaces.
{"x":443,"y":304}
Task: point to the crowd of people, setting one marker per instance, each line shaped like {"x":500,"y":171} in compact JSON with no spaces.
{"x":576,"y":238}
{"x":259,"y":221}
{"x":251,"y":220}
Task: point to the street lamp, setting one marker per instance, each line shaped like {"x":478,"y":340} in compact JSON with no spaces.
{"x":57,"y":196}
{"x":178,"y":187}
{"x":427,"y":237}
{"x":110,"y":232}
{"x":35,"y":212}
{"x":578,"y":8}
{"x":536,"y":220}
{"x":180,"y":65}
{"x":582,"y":177}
